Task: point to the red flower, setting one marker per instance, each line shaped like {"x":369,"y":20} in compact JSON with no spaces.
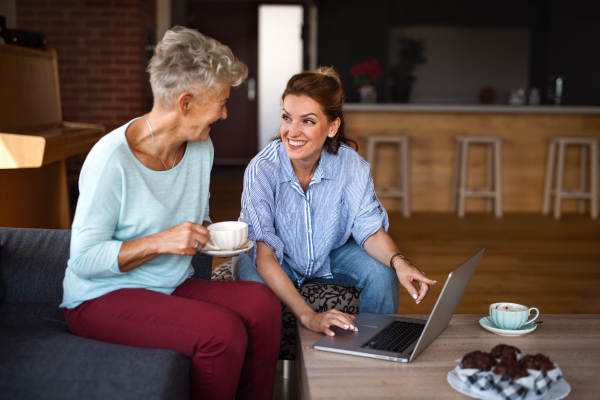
{"x":366,"y":73}
{"x":370,"y":69}
{"x":356,"y":70}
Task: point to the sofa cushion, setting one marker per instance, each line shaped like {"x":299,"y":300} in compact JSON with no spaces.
{"x":2,"y":292}
{"x":33,"y":263}
{"x":39,"y":358}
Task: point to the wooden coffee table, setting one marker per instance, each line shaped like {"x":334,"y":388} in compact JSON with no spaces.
{"x":572,"y":341}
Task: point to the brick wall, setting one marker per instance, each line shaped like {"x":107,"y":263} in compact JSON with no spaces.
{"x":102,"y":58}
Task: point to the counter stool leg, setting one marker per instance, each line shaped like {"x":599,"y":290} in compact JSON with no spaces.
{"x":371,"y":155}
{"x":560,"y":172}
{"x":583,"y":177}
{"x":594,"y":180}
{"x":498,"y":178}
{"x":489,"y":175}
{"x":400,"y":160}
{"x":462,"y":188}
{"x":455,"y":180}
{"x":405,"y":179}
{"x":549,"y":178}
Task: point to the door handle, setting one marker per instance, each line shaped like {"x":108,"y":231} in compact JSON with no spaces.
{"x":251,"y":89}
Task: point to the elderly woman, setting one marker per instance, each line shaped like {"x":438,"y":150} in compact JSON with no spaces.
{"x":141,"y":216}
{"x":311,"y":207}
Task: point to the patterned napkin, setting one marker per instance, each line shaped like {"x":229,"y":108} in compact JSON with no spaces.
{"x":473,"y":377}
{"x":538,"y":382}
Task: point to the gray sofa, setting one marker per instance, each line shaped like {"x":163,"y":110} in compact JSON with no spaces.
{"x":41,"y":359}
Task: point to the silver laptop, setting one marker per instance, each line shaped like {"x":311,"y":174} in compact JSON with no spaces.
{"x":402,"y":339}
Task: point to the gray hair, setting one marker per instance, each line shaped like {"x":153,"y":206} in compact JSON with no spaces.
{"x":186,"y":59}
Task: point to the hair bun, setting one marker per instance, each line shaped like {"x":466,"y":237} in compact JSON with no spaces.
{"x":329,"y":71}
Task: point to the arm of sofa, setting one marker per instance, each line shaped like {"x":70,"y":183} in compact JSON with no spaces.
{"x":33,"y":264}
{"x":202,"y":264}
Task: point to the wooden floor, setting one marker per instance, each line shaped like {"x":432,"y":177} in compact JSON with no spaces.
{"x":529,"y":258}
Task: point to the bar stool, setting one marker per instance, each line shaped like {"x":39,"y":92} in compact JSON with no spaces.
{"x":493,"y":190}
{"x":559,"y":192}
{"x":402,"y":191}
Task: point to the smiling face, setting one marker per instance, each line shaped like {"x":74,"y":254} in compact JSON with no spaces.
{"x":202,"y":115}
{"x":304,"y":128}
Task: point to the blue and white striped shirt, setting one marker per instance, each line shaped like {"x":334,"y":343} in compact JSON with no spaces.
{"x":303,"y":228}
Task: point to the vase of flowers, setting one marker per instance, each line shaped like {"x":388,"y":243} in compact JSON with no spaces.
{"x":365,"y":75}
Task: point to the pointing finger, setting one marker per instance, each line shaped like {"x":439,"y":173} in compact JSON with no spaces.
{"x":418,"y":276}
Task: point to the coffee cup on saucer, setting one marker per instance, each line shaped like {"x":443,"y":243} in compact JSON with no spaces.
{"x":228,"y":235}
{"x":511,"y":315}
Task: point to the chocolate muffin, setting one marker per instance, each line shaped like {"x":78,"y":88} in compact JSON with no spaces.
{"x":511,"y":368}
{"x":505,"y":352}
{"x":479,"y":360}
{"x":538,"y":362}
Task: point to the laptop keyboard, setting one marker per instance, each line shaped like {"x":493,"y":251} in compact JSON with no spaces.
{"x":396,"y":337}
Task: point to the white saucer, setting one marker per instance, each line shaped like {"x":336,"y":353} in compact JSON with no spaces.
{"x":557,"y":392}
{"x":487,"y":324}
{"x":211,"y":250}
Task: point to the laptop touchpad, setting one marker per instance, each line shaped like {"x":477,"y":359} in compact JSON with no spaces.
{"x":347,"y":339}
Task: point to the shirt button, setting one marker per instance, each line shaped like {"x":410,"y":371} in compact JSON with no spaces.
{"x":310,"y":231}
{"x":311,"y":260}
{"x":250,"y":206}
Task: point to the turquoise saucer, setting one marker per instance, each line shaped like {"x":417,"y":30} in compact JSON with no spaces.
{"x":487,"y":324}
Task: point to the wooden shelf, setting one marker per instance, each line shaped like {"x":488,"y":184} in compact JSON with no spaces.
{"x":35,"y":141}
{"x":47,"y":146}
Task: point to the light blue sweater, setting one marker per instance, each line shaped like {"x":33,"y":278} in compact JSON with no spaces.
{"x":120,"y":200}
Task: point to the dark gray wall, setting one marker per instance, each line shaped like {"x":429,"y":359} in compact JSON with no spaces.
{"x":565,"y":35}
{"x":574,"y":49}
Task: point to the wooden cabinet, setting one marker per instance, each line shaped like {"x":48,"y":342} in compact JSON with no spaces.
{"x":35,"y":141}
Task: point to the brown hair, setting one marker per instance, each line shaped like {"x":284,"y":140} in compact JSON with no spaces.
{"x":324,"y":87}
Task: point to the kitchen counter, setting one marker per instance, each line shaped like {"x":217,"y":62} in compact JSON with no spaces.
{"x":525,"y":130}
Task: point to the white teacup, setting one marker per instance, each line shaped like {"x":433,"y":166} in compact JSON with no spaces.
{"x":228,"y":235}
{"x":511,"y":315}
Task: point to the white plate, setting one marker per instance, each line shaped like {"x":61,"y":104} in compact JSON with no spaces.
{"x":211,"y":250}
{"x":487,"y":324}
{"x":558,"y":391}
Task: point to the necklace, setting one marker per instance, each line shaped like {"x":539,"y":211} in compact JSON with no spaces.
{"x":157,"y":155}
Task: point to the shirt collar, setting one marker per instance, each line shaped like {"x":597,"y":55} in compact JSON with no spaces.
{"x":323,"y":169}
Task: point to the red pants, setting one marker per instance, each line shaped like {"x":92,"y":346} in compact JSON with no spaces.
{"x":230,"y":330}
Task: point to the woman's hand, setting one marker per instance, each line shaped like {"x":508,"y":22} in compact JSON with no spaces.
{"x":320,"y":322}
{"x":274,"y":276}
{"x":271,"y":272}
{"x":183,"y":239}
{"x":381,"y":247}
{"x":407,"y":274}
